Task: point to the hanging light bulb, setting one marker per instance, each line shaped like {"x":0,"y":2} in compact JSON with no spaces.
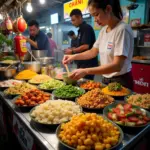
{"x":42,"y":2}
{"x":29,"y":7}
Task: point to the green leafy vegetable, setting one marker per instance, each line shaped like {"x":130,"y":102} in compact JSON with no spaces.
{"x":139,"y":99}
{"x":114,"y":86}
{"x":4,"y":39}
{"x":68,"y":91}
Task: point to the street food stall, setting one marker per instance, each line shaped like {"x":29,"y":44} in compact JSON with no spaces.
{"x":141,"y":62}
{"x":44,"y":109}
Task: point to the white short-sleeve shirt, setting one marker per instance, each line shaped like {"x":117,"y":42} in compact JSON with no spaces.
{"x":118,"y":42}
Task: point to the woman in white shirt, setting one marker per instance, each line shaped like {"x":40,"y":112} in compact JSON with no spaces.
{"x":114,"y":44}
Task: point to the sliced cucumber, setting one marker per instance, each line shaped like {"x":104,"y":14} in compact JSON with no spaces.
{"x":120,"y":122}
{"x":110,"y":110}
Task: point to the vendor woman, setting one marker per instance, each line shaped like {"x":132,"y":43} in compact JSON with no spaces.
{"x":114,"y":44}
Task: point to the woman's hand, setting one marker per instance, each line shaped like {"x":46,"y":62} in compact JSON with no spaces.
{"x":78,"y":74}
{"x":67,"y":59}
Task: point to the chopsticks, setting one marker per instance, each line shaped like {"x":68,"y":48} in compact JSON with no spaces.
{"x":67,"y":69}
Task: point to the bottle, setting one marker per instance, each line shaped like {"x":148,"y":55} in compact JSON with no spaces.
{"x":51,"y":71}
{"x":44,"y":70}
{"x":20,"y":46}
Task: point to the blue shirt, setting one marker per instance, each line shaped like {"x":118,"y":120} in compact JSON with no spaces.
{"x":42,"y":42}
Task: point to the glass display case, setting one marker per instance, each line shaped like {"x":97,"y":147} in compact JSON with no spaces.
{"x":143,"y":38}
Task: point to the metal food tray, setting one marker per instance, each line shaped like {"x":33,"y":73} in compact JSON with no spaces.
{"x":48,"y":139}
{"x":5,"y":63}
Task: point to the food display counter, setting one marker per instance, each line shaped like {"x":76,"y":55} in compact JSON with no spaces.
{"x":46,"y":111}
{"x":36,"y":89}
{"x":33,"y":137}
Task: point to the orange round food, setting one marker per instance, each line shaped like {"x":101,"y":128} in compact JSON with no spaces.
{"x":89,"y":85}
{"x":89,"y":132}
{"x":32,"y":98}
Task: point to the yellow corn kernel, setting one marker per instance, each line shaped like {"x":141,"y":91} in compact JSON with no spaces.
{"x":88,"y":142}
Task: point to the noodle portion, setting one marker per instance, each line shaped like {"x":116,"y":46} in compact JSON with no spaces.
{"x":141,"y":100}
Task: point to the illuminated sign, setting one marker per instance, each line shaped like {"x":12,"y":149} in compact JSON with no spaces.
{"x":75,"y":4}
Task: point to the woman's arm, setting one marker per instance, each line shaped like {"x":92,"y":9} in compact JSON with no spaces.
{"x":81,"y":56}
{"x":87,"y":54}
{"x":115,"y":66}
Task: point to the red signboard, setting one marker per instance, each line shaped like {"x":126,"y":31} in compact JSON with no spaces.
{"x":141,"y":77}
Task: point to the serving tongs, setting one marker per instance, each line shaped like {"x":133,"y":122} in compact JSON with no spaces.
{"x":32,"y":56}
{"x":21,"y":62}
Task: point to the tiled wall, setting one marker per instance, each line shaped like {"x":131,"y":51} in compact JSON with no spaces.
{"x":139,"y":12}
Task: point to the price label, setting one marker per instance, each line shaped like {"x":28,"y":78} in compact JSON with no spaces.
{"x":22,"y":134}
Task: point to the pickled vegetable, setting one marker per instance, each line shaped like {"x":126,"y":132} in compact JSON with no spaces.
{"x":51,"y":84}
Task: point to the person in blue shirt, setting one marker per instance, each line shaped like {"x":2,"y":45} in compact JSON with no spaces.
{"x":74,"y":39}
{"x":38,"y":39}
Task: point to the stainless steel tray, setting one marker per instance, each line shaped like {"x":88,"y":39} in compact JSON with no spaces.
{"x":48,"y":137}
{"x":141,"y":61}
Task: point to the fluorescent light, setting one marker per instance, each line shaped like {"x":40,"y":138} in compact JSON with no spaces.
{"x":1,"y":17}
{"x":42,"y":2}
{"x":29,"y":7}
{"x":54,"y":18}
{"x":42,"y":27}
